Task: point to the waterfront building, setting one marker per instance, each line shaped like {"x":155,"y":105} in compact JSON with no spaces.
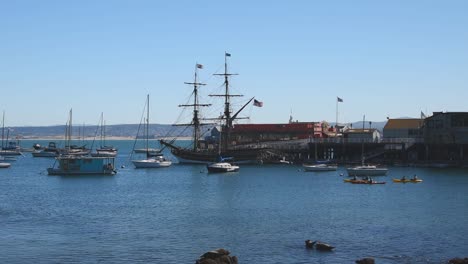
{"x":403,"y":128}
{"x":400,"y":136}
{"x":249,"y":133}
{"x":446,"y":128}
{"x":446,"y":138}
{"x":362,"y":135}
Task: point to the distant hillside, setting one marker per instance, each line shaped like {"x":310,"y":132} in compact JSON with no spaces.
{"x":129,"y":130}
{"x":155,"y":130}
{"x":377,"y":125}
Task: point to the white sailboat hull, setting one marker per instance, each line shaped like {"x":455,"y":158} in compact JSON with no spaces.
{"x":104,"y":154}
{"x":320,"y":167}
{"x":367,"y":171}
{"x":151,"y":163}
{"x":44,"y":154}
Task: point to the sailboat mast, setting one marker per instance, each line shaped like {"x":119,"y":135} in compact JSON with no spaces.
{"x":104,"y":134}
{"x":3,"y":128}
{"x":102,"y":124}
{"x":362,"y":146}
{"x":147,"y":124}
{"x":70,"y":128}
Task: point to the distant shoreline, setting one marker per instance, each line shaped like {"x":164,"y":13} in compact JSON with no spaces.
{"x":58,"y":138}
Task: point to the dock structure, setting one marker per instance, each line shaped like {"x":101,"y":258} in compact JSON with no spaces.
{"x":440,"y":140}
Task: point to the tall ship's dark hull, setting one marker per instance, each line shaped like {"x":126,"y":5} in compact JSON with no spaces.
{"x":239,"y":156}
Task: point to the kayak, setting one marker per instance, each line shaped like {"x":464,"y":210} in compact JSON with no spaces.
{"x":351,"y":180}
{"x":366,"y":182}
{"x":359,"y":181}
{"x":407,"y":180}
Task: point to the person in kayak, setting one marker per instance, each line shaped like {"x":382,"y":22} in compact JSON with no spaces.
{"x":415,"y":177}
{"x":403,"y":178}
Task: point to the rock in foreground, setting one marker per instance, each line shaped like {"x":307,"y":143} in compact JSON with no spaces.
{"x":365,"y":261}
{"x":458,"y":261}
{"x":218,"y":256}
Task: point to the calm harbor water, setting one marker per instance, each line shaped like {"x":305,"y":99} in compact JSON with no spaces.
{"x":262,"y":214}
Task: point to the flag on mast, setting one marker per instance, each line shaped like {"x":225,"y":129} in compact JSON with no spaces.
{"x":199,"y":66}
{"x":257,"y":103}
{"x":228,"y":54}
{"x":339,"y":99}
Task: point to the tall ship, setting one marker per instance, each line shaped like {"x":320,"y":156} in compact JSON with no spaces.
{"x":200,"y":151}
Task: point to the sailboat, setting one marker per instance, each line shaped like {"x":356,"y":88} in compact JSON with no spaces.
{"x":152,"y":160}
{"x":8,"y":148}
{"x":319,"y":165}
{"x":69,"y":148}
{"x":366,"y":169}
{"x":204,"y":154}
{"x":104,"y":150}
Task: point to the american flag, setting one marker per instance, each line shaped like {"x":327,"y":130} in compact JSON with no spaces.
{"x":257,"y":103}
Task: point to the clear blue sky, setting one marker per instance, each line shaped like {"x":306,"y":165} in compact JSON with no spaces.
{"x":384,"y":58}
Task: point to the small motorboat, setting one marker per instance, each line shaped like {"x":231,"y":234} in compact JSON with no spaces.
{"x":223,"y":165}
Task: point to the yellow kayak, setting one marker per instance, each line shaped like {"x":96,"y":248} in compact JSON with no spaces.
{"x":407,"y":180}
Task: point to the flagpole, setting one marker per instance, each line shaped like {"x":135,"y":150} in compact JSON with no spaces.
{"x":336,"y":124}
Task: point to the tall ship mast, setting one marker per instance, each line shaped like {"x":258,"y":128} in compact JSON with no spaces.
{"x":206,"y":155}
{"x":196,"y":109}
{"x":227,"y":117}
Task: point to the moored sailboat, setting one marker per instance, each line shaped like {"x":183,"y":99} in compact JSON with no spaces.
{"x":320,"y":167}
{"x":152,"y":160}
{"x":8,"y":148}
{"x":365,"y":169}
{"x":104,"y":150}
